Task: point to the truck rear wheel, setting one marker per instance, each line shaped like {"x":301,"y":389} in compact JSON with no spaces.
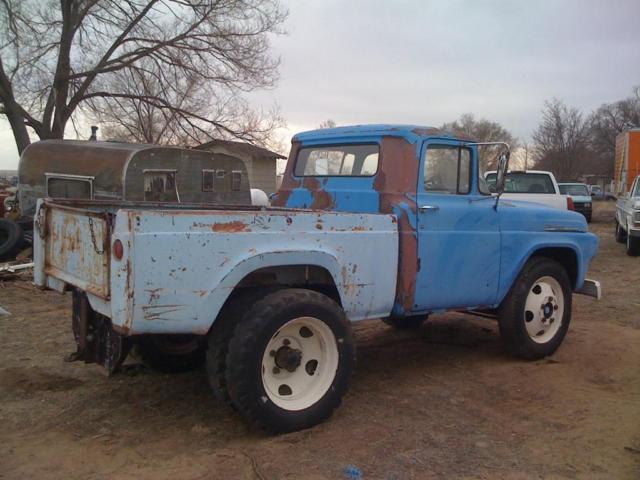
{"x":289,"y":360}
{"x":534,"y":316}
{"x":172,"y":353}
{"x":633,"y":246}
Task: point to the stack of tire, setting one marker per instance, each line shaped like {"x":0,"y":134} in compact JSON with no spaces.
{"x":11,"y":239}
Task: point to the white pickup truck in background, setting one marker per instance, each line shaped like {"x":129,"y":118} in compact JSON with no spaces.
{"x":628,"y":218}
{"x":536,"y":186}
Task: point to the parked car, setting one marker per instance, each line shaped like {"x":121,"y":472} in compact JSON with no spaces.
{"x":579,"y":193}
{"x":381,"y":221}
{"x":597,"y":193}
{"x":536,"y":186}
{"x":628,"y":218}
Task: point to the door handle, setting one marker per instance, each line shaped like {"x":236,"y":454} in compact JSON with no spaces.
{"x":424,"y":208}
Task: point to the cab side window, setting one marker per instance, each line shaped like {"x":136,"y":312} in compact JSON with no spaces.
{"x":447,"y":170}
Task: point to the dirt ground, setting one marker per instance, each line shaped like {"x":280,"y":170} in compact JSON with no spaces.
{"x":443,"y":402}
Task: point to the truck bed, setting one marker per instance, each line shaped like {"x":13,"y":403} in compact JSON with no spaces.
{"x":181,"y":262}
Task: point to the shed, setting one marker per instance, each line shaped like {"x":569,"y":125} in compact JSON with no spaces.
{"x":127,"y":171}
{"x":260,"y":162}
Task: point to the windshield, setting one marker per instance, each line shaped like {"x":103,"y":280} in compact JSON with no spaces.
{"x":576,"y":190}
{"x":524,"y":183}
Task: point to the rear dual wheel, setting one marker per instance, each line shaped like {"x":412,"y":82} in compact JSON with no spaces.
{"x":289,"y":360}
{"x":172,"y":353}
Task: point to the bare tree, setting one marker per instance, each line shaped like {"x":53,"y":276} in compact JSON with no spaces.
{"x":327,"y":124}
{"x":562,"y":141}
{"x":606,"y":123}
{"x":482,"y":130}
{"x":133,"y":119}
{"x":57,"y":59}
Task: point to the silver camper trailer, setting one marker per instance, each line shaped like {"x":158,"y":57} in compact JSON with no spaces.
{"x":129,"y":172}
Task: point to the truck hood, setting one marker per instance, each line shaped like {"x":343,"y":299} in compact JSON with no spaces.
{"x":517,"y":215}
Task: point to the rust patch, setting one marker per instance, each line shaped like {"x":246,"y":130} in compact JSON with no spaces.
{"x":154,"y":294}
{"x":322,"y":200}
{"x":398,"y":177}
{"x":156,"y":312}
{"x":289,"y":182}
{"x":230,"y":227}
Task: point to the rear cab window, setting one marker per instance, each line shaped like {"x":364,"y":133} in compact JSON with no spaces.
{"x":337,"y":161}
{"x":575,"y":190}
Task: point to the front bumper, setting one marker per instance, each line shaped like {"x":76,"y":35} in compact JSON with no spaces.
{"x":583,"y":208}
{"x":591,"y":288}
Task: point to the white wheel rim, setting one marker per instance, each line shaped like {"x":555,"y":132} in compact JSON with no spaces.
{"x":544,"y":309}
{"x":311,"y":341}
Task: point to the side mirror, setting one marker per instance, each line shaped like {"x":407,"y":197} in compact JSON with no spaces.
{"x":501,"y":175}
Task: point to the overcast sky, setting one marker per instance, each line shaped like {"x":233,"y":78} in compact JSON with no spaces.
{"x":428,"y":62}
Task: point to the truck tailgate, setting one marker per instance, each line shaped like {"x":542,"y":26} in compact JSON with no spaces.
{"x":73,"y":246}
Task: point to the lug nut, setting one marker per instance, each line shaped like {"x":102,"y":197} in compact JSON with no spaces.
{"x":286,"y":341}
{"x":272,"y":353}
{"x":276,"y":370}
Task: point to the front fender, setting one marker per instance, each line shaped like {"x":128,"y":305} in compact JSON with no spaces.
{"x":519,"y":247}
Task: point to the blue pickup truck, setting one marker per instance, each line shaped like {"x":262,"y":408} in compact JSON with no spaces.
{"x":380,"y":221}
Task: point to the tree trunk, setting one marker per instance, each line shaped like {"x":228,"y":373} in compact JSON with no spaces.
{"x":18,"y":128}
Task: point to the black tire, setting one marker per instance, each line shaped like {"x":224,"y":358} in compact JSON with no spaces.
{"x":588,"y":217}
{"x":633,"y":246}
{"x":172,"y":353}
{"x":620,"y":233}
{"x":219,"y":336}
{"x":11,"y":239}
{"x":406,"y":323}
{"x":250,"y":340}
{"x":512,"y":316}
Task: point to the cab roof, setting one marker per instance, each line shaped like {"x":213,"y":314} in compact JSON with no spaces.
{"x":411,"y":132}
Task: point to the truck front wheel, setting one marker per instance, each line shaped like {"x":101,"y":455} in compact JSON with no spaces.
{"x":534,"y":316}
{"x":289,"y":360}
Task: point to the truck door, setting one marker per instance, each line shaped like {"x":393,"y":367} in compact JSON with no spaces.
{"x":457,"y":229}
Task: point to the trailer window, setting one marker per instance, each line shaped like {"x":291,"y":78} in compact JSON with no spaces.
{"x":208,"y":180}
{"x":337,"y":161}
{"x":236,"y":180}
{"x":68,"y":187}
{"x":160,"y":186}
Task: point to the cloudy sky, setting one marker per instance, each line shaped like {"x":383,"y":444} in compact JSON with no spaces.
{"x":428,"y":62}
